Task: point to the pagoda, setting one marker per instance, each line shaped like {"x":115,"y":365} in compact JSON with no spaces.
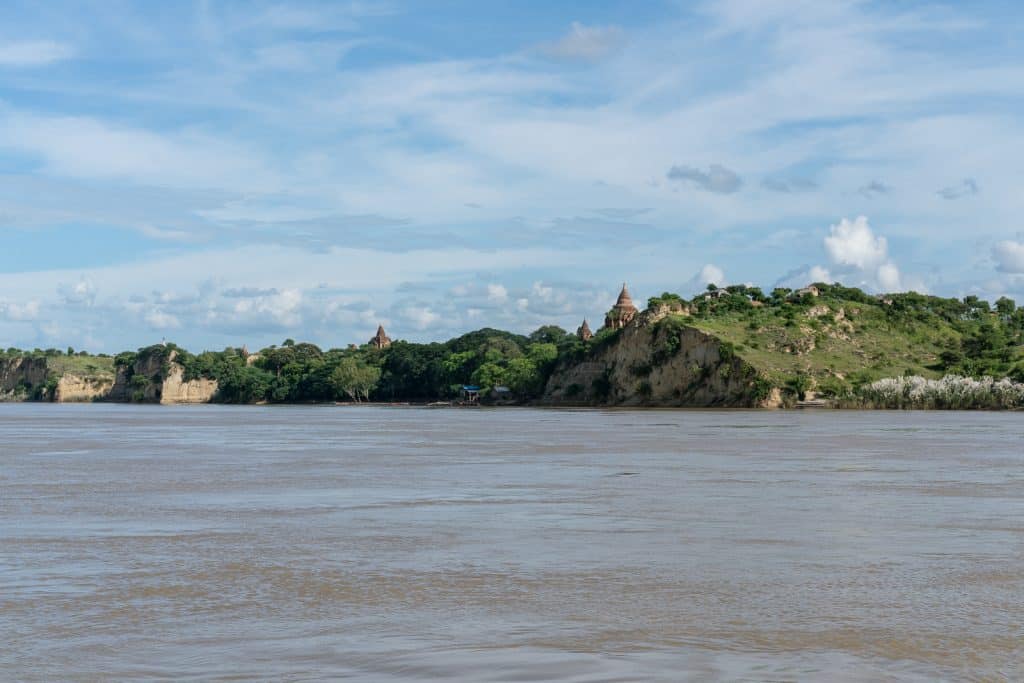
{"x":622,"y":312}
{"x":583,"y":332}
{"x":380,"y":340}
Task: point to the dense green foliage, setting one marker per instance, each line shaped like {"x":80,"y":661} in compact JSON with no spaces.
{"x":841,"y":338}
{"x":300,"y":372}
{"x":829,"y":339}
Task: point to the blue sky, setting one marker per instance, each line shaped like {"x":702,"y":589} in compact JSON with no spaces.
{"x":221,"y":173}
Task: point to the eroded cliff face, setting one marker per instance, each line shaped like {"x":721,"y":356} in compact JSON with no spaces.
{"x":659,"y":361}
{"x":176,"y":390}
{"x":156,"y":379}
{"x":20,"y":377}
{"x":74,"y":389}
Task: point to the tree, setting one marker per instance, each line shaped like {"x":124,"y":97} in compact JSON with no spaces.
{"x":1005,"y":306}
{"x":490,"y":375}
{"x":355,"y":378}
{"x":549,"y":334}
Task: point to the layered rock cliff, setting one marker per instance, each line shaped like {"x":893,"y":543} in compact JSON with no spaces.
{"x":22,"y":378}
{"x":75,"y":389}
{"x":153,"y":378}
{"x":658,"y":360}
{"x":158,"y":378}
{"x":176,"y":389}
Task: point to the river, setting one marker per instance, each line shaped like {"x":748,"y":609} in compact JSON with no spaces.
{"x":385,"y":544}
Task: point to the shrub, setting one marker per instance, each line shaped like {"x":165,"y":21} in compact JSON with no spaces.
{"x":952,"y":392}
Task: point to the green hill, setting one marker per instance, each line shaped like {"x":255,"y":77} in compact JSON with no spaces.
{"x":735,"y":346}
{"x":836,"y":339}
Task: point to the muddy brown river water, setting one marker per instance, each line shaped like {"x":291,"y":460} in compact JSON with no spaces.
{"x":385,"y":544}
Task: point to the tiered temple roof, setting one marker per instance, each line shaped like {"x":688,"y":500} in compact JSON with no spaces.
{"x":380,"y":340}
{"x":623,"y":312}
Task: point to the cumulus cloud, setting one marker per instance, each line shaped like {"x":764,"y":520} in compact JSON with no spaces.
{"x":788,"y":185}
{"x":717,"y":178}
{"x":420,"y":317}
{"x":586,"y":43}
{"x":543,"y":292}
{"x":966,"y":188}
{"x":497,"y":292}
{"x":853,"y":247}
{"x":874,"y":189}
{"x":33,"y":53}
{"x":19,"y":312}
{"x":889,"y":277}
{"x":282,"y":307}
{"x":853,"y":243}
{"x":1009,"y":256}
{"x":709,"y":274}
{"x":82,"y":293}
{"x":819,"y":274}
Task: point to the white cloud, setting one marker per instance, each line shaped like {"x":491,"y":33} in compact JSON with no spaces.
{"x":889,"y":277}
{"x":497,"y":292}
{"x":420,"y":317}
{"x":1009,"y":256}
{"x":709,"y":274}
{"x":852,"y":243}
{"x":279,"y":307}
{"x":161,"y":320}
{"x":819,"y":274}
{"x":33,"y":53}
{"x":542,"y":292}
{"x":586,"y":43}
{"x":859,"y":254}
{"x":81,"y":147}
{"x":82,"y":292}
{"x":19,"y":312}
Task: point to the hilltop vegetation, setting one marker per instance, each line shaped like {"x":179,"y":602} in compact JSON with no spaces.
{"x":842,"y":339}
{"x":300,"y":372}
{"x":831,"y":340}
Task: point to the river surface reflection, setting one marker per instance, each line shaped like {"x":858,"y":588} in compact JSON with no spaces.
{"x":304,"y":543}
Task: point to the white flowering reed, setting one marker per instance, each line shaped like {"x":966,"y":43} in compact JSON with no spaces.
{"x":952,"y":392}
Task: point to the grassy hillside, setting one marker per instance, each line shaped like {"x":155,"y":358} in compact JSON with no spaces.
{"x":86,"y":366}
{"x":830,"y":339}
{"x":841,"y":338}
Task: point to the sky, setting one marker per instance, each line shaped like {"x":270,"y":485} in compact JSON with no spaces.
{"x":228,"y":173}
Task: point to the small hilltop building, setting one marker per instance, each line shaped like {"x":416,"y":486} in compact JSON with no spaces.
{"x":623,"y":312}
{"x":583,"y":332}
{"x":380,"y":340}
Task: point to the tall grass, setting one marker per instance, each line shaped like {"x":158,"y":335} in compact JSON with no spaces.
{"x":952,"y":392}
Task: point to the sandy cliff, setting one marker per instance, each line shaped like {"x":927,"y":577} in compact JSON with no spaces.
{"x":19,"y":377}
{"x":159,"y":379}
{"x":176,"y":390}
{"x":660,"y":361}
{"x":74,"y":389}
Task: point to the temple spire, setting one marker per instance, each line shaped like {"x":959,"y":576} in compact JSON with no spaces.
{"x":622,"y":312}
{"x":381,"y":340}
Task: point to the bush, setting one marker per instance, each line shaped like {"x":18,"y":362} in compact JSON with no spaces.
{"x":952,"y":392}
